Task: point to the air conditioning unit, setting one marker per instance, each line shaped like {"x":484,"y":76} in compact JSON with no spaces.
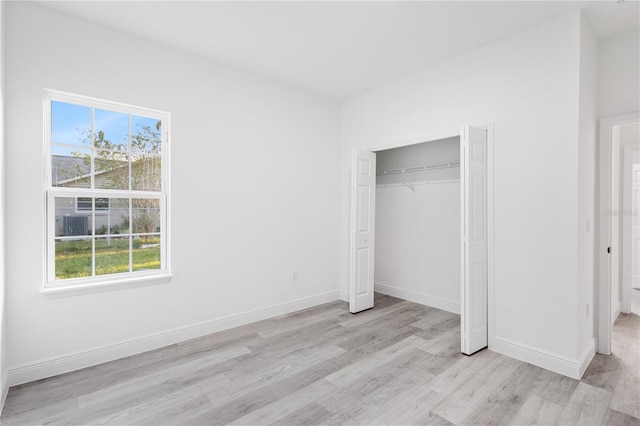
{"x":75,"y":225}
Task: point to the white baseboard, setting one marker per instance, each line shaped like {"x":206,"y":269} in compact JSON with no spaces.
{"x":573,"y":368}
{"x":587,"y":356}
{"x":74,"y":361}
{"x":422,"y":299}
{"x":616,"y":314}
{"x":344,"y":295}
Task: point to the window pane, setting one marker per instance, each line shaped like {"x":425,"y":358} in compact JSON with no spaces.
{"x":69,"y":221}
{"x":115,"y":219}
{"x":111,"y":130}
{"x":102,"y":204}
{"x":146,"y":252}
{"x":112,"y":170}
{"x":146,"y":215}
{"x":146,"y":173}
{"x":73,"y":258}
{"x":145,"y":135}
{"x":84,"y":204}
{"x":112,"y":255}
{"x":70,"y":124}
{"x":70,"y":167}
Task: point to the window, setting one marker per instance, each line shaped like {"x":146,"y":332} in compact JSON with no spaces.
{"x":107,"y":192}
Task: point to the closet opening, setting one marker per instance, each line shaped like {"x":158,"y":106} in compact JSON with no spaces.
{"x":418,"y":235}
{"x":419,"y":228}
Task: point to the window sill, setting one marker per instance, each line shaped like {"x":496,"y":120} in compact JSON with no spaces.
{"x":106,"y":285}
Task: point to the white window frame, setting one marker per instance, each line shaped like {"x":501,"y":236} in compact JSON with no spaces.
{"x":53,"y":286}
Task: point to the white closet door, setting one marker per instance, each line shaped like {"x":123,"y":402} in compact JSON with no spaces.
{"x":363,"y":194}
{"x":473,"y":176}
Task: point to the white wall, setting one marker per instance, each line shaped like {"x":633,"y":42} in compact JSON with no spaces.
{"x":3,"y":321}
{"x":418,"y":233}
{"x":586,"y":192}
{"x":251,"y":155}
{"x":528,"y":85}
{"x":618,"y":71}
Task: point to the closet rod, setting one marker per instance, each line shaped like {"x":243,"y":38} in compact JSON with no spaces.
{"x":417,"y":169}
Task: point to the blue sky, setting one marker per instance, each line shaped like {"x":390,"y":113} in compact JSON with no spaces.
{"x":68,"y":121}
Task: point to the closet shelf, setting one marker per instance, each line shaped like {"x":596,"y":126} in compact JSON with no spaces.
{"x":418,"y":169}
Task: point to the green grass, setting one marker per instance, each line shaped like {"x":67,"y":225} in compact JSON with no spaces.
{"x":73,"y":258}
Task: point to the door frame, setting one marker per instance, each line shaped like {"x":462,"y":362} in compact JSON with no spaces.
{"x":490,"y":215}
{"x":626,"y":224}
{"x":602,"y":294}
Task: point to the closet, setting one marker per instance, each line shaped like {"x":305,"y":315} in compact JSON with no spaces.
{"x":419,"y":228}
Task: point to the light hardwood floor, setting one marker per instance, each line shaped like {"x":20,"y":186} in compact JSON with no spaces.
{"x":398,"y":363}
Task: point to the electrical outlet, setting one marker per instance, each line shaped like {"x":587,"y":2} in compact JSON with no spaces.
{"x":294,"y":275}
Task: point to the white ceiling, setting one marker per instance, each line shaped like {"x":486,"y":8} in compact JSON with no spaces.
{"x":334,"y":48}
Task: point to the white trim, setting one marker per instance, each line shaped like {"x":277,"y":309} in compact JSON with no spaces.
{"x":573,"y":368}
{"x":423,"y":299}
{"x":615,"y":315}
{"x":626,"y":216}
{"x":74,"y":361}
{"x":603,"y":236}
{"x":103,"y":193}
{"x":587,"y":357}
{"x":4,"y":388}
{"x":344,"y":295}
{"x":48,"y":221}
{"x":107,"y":283}
{"x":90,"y":101}
{"x":490,"y":128}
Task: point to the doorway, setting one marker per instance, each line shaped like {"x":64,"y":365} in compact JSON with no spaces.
{"x":615,"y":240}
{"x":630,"y":219}
{"x":474,"y":232}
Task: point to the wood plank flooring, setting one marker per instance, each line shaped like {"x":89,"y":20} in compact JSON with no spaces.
{"x":397,"y":364}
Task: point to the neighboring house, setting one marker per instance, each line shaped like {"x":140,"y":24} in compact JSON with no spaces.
{"x":73,"y":214}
